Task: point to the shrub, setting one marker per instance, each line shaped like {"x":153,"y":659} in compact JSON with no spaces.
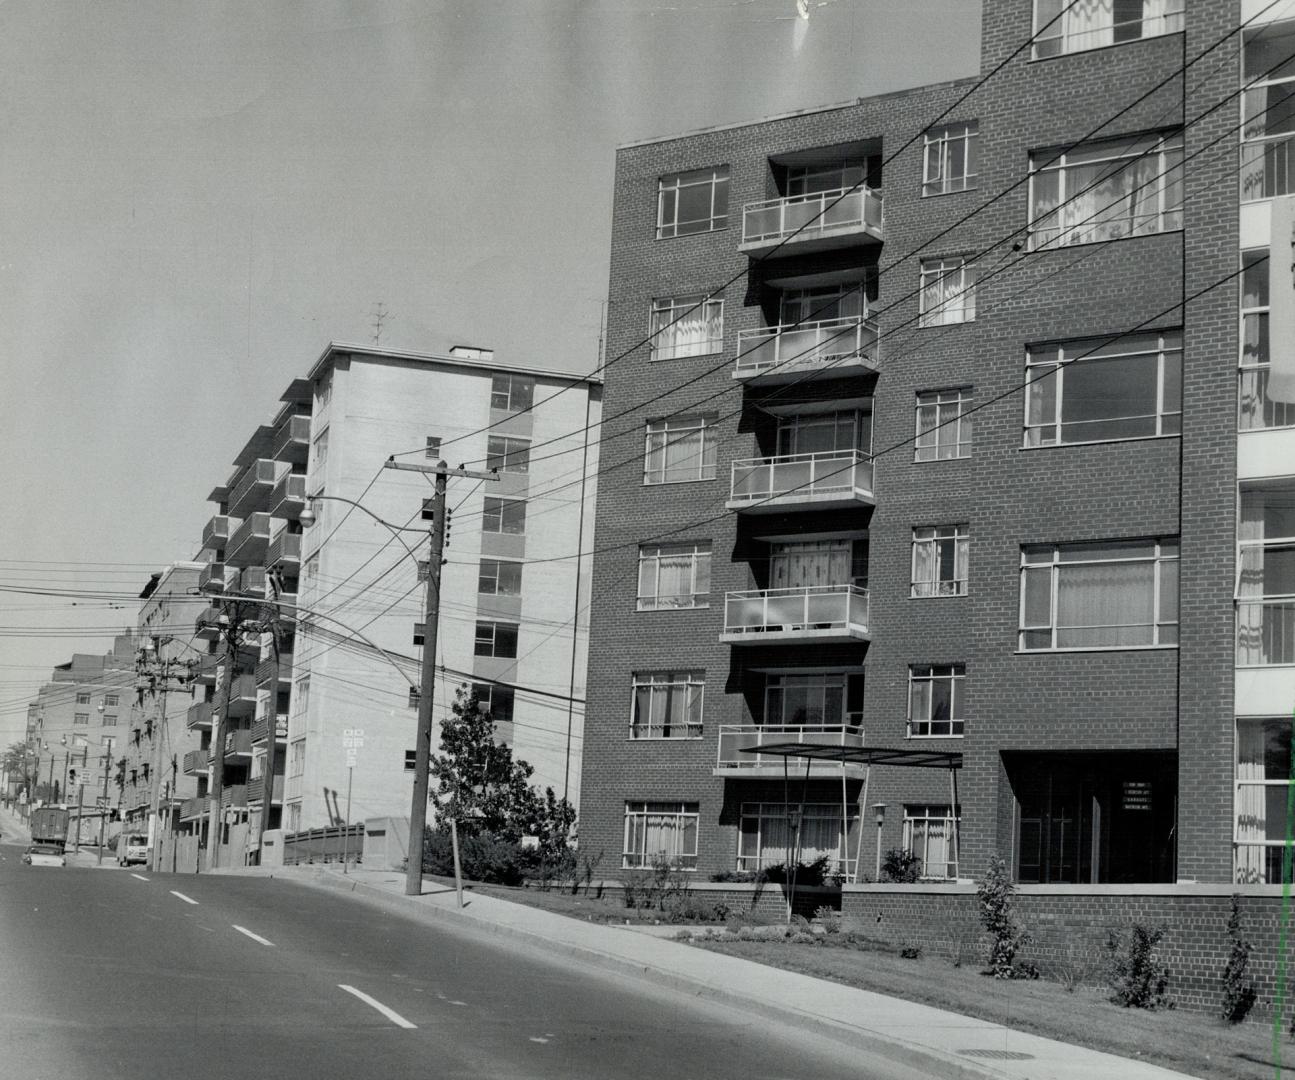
{"x":998,"y":916}
{"x":1238,"y":991}
{"x":829,"y":917}
{"x":1139,"y":978}
{"x":807,"y":874}
{"x":901,"y":865}
{"x":911,"y":952}
{"x":481,"y":857}
{"x":743,"y":876}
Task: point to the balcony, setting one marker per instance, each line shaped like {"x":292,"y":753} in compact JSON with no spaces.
{"x":807,"y":351}
{"x":823,"y":221}
{"x":248,"y":545}
{"x":252,"y":582}
{"x":292,"y":440}
{"x":242,"y":695}
{"x":193,"y":809}
{"x":261,"y":729}
{"x":238,"y":745}
{"x":235,"y":795}
{"x":818,"y":613}
{"x":1266,"y":632}
{"x":287,"y":610}
{"x":834,"y":480}
{"x":217,"y":577}
{"x":206,"y":627}
{"x":733,"y":738}
{"x":216,"y":532}
{"x":199,"y":716}
{"x":196,"y":762}
{"x":256,"y":790}
{"x":284,"y":549}
{"x":204,"y":671}
{"x":288,"y":498}
{"x":252,"y":492}
{"x":265,"y":670}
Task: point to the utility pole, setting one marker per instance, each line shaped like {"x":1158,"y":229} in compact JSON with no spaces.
{"x":228,"y":630}
{"x":103,"y":807}
{"x":271,"y":746}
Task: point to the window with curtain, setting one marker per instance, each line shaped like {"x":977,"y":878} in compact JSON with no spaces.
{"x":1256,"y":410}
{"x":943,"y":425}
{"x":667,"y":704}
{"x":822,"y":303}
{"x":1268,"y":111}
{"x":939,"y":560}
{"x":1266,"y":573}
{"x":948,"y":292}
{"x":767,"y":836}
{"x":1262,"y":776}
{"x":1099,"y":391}
{"x":928,"y":833}
{"x":1108,"y":190}
{"x":1066,"y":26}
{"x":1116,"y":594}
{"x":661,"y":832}
{"x":935,"y":700}
{"x":685,"y":326}
{"x":809,"y":563}
{"x":679,"y":450}
{"x":674,"y":576}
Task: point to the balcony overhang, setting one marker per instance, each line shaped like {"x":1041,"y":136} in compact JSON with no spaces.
{"x":807,"y":351}
{"x":802,"y":224}
{"x":822,"y":614}
{"x":826,"y":481}
{"x":907,"y":757}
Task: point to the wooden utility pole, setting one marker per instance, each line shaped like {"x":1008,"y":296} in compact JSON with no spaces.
{"x":271,"y":746}
{"x":216,"y":786}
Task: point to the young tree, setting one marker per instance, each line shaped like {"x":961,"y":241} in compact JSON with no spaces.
{"x":20,"y":764}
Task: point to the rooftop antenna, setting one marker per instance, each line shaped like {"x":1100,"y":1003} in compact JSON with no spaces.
{"x":379,"y":315}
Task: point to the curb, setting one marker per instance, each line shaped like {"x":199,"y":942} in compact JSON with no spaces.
{"x":939,"y":1063}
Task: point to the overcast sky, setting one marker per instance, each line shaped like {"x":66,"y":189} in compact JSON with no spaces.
{"x":196,"y":196}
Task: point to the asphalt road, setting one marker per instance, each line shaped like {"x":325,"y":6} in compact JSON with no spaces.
{"x":110,"y":973}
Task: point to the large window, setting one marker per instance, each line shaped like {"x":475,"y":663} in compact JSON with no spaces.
{"x":831,"y":699}
{"x":321,"y":450}
{"x":686,"y":326}
{"x":508,"y":454}
{"x":496,"y":639}
{"x":1256,"y":409}
{"x":943,"y":424}
{"x":503,"y":516}
{"x":692,"y":202}
{"x":948,"y":291}
{"x":1266,"y":573}
{"x":661,"y":832}
{"x":767,"y":837}
{"x":935,"y":700}
{"x":110,"y":701}
{"x":674,"y":576}
{"x":110,"y":719}
{"x":511,"y":393}
{"x":83,"y":697}
{"x":80,"y":718}
{"x":667,"y":705}
{"x":928,"y":833}
{"x":951,"y":154}
{"x":496,"y":700}
{"x":823,"y":303}
{"x":678,"y":450}
{"x":499,"y":578}
{"x":1269,"y":112}
{"x":1066,"y":26}
{"x":1094,"y":392}
{"x":1106,"y":191}
{"x":1262,"y":778}
{"x":939,"y":560}
{"x":1112,"y":594}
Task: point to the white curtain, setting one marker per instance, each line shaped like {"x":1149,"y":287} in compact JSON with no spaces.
{"x":700,"y":331}
{"x":1250,"y":579}
{"x":1161,"y":17}
{"x":1090,"y":24}
{"x":797,"y":566}
{"x":1252,"y":825}
{"x":1105,"y":604}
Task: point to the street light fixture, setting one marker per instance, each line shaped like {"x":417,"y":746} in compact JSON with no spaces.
{"x":879,"y":809}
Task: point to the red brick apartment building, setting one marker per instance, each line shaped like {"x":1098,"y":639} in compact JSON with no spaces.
{"x":854,"y":526}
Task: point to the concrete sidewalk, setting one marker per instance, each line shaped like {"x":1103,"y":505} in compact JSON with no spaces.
{"x":944,"y":1043}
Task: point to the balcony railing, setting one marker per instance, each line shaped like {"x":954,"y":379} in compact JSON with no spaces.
{"x":199,"y":715}
{"x":1267,"y":168}
{"x":252,"y":492}
{"x":256,"y":789}
{"x":830,"y":480}
{"x":238,"y":743}
{"x":196,"y":762}
{"x":825,"y":613}
{"x":217,"y":531}
{"x":799,"y":351}
{"x":248,"y":545}
{"x":207,"y":625}
{"x":825,"y":219}
{"x":733,"y":738}
{"x":261,"y":729}
{"x":204,"y":671}
{"x":285,"y":549}
{"x":242,"y":695}
{"x":234,"y":795}
{"x":1258,"y":411}
{"x":288,"y":498}
{"x":217,"y":577}
{"x":266,"y":670}
{"x":194,"y":808}
{"x":252,"y":582}
{"x":292,"y":440}
{"x":1266,"y":631}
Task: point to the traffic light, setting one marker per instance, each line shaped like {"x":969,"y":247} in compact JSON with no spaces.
{"x":71,"y":777}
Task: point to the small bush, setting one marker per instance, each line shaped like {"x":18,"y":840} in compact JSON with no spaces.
{"x":1238,"y":991}
{"x":1139,"y":979}
{"x":911,"y":952}
{"x":995,"y":894}
{"x":901,"y":865}
{"x":808,"y":874}
{"x":749,"y":877}
{"x":829,"y":917}
{"x":481,"y":857}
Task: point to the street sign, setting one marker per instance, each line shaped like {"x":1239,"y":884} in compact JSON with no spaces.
{"x":350,"y":759}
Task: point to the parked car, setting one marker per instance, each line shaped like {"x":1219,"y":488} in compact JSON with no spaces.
{"x":44,"y":855}
{"x":132,"y":848}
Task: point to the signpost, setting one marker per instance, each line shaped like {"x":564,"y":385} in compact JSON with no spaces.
{"x":352,"y":741}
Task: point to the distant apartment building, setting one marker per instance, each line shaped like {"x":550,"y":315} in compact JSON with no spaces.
{"x":348,"y":590}
{"x":961,"y":461}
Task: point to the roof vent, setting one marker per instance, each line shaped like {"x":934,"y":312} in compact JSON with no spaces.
{"x":471,"y":352}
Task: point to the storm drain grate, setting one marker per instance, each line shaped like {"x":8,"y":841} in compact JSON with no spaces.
{"x":999,"y":1055}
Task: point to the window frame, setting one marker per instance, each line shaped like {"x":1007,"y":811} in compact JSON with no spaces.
{"x":492,"y":639}
{"x":494,"y":572}
{"x":1252,"y":377}
{"x":652,"y":554}
{"x":961,"y":307}
{"x":508,"y":454}
{"x":1280,"y":724}
{"x":942,"y":140}
{"x":83,"y":697}
{"x":432,"y":448}
{"x":963,"y":397}
{"x":669,"y":187}
{"x":81,"y":719}
{"x":683,"y":812}
{"x":936,"y":587}
{"x":759,"y":813}
{"x":666,"y":314}
{"x":493,"y":699}
{"x":515,"y":395}
{"x":498,"y":514}
{"x":671,"y":431}
{"x":931,"y":675}
{"x":687,"y":684}
{"x":952,"y":823}
{"x":1057,"y":33}
{"x":109,"y":720}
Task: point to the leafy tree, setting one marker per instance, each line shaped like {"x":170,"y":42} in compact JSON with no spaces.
{"x":20,"y":764}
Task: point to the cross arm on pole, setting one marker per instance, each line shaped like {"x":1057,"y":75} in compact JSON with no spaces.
{"x":441,"y":469}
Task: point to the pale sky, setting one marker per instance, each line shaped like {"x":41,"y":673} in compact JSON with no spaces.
{"x":196,"y":196}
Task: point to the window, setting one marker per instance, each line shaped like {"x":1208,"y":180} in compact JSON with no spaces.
{"x":503,"y":516}
{"x":825,"y":433}
{"x":110,"y":701}
{"x":297,"y":758}
{"x":1062,"y":26}
{"x":1080,"y":392}
{"x":420,"y":633}
{"x":948,"y":292}
{"x":667,"y":705}
{"x":508,"y":454}
{"x":83,"y":697}
{"x":81,"y":718}
{"x":428,"y":512}
{"x":321,"y":449}
{"x":1112,"y":594}
{"x":110,"y":719}
{"x":935,"y":700}
{"x":433,"y":450}
{"x":679,"y":450}
{"x":496,"y":700}
{"x":1257,"y":409}
{"x":511,"y":393}
{"x":499,"y":578}
{"x":1262,"y":776}
{"x":807,"y":180}
{"x":807,"y":564}
{"x":496,"y":639}
{"x":674,"y":576}
{"x":415,"y":696}
{"x":943,"y":426}
{"x":928,"y":833}
{"x":950,"y":162}
{"x":1266,"y":573}
{"x":1106,"y":191}
{"x":692,"y":202}
{"x":661,"y":831}
{"x":767,"y":839}
{"x":686,"y":326}
{"x":411,"y":760}
{"x":311,"y":569}
{"x":1268,"y":112}
{"x":825,"y":700}
{"x":823,"y":303}
{"x":939,"y":560}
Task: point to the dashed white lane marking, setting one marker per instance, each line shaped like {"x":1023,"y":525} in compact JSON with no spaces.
{"x":140,"y":876}
{"x":186,"y":899}
{"x":390,"y":1014}
{"x":463,"y":1003}
{"x":536,"y":1038}
{"x":254,"y":937}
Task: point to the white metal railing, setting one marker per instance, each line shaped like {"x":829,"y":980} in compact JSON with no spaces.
{"x":810,"y":216}
{"x":832,"y":472}
{"x":807,"y":610}
{"x":1266,"y":631}
{"x":793,"y":347}
{"x":733,"y":738}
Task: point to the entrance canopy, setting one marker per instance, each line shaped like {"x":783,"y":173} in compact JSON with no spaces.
{"x":861,"y":755}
